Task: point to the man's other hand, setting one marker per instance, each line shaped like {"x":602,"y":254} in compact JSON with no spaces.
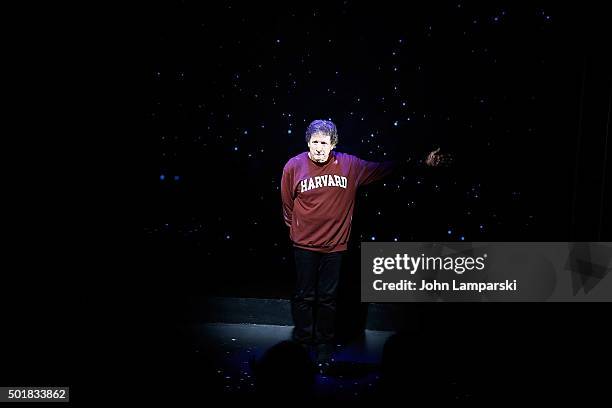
{"x":436,"y":159}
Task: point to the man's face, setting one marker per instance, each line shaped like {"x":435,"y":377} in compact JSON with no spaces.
{"x":320,"y":146}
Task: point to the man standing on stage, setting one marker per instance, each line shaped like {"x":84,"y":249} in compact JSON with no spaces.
{"x":318,"y":190}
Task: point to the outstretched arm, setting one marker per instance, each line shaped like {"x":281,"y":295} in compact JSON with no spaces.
{"x":368,"y":172}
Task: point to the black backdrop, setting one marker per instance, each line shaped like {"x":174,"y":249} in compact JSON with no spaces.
{"x":519,"y":94}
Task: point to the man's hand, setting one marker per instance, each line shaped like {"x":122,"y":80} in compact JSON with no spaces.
{"x":435,"y":159}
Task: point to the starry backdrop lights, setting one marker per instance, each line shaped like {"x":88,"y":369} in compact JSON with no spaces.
{"x":233,"y":86}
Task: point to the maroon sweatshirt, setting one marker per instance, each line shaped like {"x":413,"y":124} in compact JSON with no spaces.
{"x":318,"y":198}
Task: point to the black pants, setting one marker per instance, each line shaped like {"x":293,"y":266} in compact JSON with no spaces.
{"x":314,"y":302}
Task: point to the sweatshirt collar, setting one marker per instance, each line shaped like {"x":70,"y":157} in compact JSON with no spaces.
{"x":332,"y":157}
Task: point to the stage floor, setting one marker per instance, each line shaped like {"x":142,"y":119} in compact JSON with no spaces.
{"x":354,"y":372}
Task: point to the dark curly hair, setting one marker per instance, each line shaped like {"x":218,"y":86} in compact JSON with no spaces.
{"x":326,"y":127}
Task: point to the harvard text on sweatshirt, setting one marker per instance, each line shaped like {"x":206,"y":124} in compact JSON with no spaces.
{"x":318,"y":199}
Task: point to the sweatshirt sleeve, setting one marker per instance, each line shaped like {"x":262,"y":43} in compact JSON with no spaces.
{"x":287,"y":195}
{"x":369,"y":172}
